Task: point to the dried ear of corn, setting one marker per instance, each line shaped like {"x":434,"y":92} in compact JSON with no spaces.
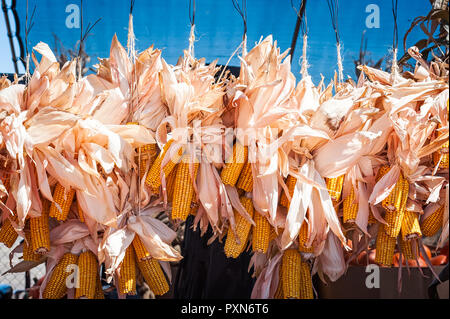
{"x":28,"y":252}
{"x":431,"y":225}
{"x":127,"y":277}
{"x":88,"y":275}
{"x":183,"y":194}
{"x":56,"y":287}
{"x":303,"y":237}
{"x":230,"y":173}
{"x":99,"y":294}
{"x":146,"y":155}
{"x":245,"y":180}
{"x":291,"y":273}
{"x":154,"y":276}
{"x":139,"y":248}
{"x":170,"y":183}
{"x":334,"y":186}
{"x":290,"y":183}
{"x":8,"y":235}
{"x":350,"y":208}
{"x":407,"y":250}
{"x":410,"y":225}
{"x":232,"y":247}
{"x":385,"y":247}
{"x":40,"y":233}
{"x":260,"y":234}
{"x":306,"y":290}
{"x":64,"y":199}
{"x":440,"y":157}
{"x":80,"y":213}
{"x":153,"y":178}
{"x":395,"y":205}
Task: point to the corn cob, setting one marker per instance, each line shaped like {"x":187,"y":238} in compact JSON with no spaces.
{"x":334,"y":186}
{"x":351,"y":207}
{"x":170,"y":183}
{"x":88,"y":272}
{"x":232,"y":247}
{"x":261,"y":233}
{"x":372,"y":219}
{"x":80,"y":213}
{"x":183,"y":193}
{"x":290,"y":183}
{"x":407,"y":250}
{"x":8,"y":235}
{"x":431,"y":225}
{"x":273,"y":235}
{"x":443,"y":151}
{"x":291,"y":273}
{"x":56,"y":287}
{"x":146,"y":155}
{"x":385,"y":247}
{"x":303,"y":237}
{"x":410,"y":225}
{"x":28,"y":253}
{"x":306,"y":290}
{"x":245,"y":180}
{"x":127,"y":277}
{"x":154,"y":276}
{"x":395,"y":205}
{"x":279,"y":291}
{"x":382,"y":171}
{"x":99,"y":294}
{"x":153,"y":178}
{"x":64,"y":199}
{"x":230,"y":173}
{"x":140,"y":250}
{"x":40,"y":233}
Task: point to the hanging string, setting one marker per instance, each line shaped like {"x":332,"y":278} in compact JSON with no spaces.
{"x":192,"y":20}
{"x":28,"y":28}
{"x":242,"y":10}
{"x":394,"y":67}
{"x":131,"y":37}
{"x":303,"y":26}
{"x":333,"y":6}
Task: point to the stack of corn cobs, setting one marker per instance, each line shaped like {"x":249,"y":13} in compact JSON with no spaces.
{"x":306,"y":177}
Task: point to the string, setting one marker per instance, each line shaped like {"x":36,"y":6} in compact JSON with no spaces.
{"x":333,"y":6}
{"x":242,"y":11}
{"x":301,"y":14}
{"x":192,"y":20}
{"x":394,"y":67}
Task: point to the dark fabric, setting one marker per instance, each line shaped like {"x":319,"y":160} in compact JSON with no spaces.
{"x":206,"y":273}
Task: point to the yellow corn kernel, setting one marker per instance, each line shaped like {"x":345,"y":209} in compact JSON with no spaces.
{"x":245,"y":180}
{"x":290,"y":183}
{"x":127,"y":276}
{"x":410,"y":225}
{"x":80,"y":213}
{"x":28,"y":253}
{"x":306,"y":288}
{"x":303,"y":237}
{"x":383,"y":170}
{"x":88,"y":275}
{"x":235,"y":246}
{"x":40,"y":233}
{"x":334,"y":186}
{"x":64,"y":199}
{"x":431,"y":225}
{"x":291,"y":273}
{"x":261,"y":233}
{"x":153,"y":178}
{"x":154,"y":276}
{"x":395,"y":205}
{"x":184,"y":192}
{"x":56,"y":287}
{"x":8,"y":235}
{"x":385,"y":247}
{"x":140,"y":250}
{"x":351,"y":207}
{"x":407,"y":251}
{"x":230,"y":173}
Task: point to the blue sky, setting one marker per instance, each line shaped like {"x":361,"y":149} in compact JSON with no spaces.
{"x":219,"y":28}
